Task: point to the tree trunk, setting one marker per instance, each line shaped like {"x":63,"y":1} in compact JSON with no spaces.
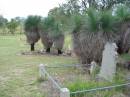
{"x":48,"y":50}
{"x":59,"y":52}
{"x":12,"y":32}
{"x":32,"y":47}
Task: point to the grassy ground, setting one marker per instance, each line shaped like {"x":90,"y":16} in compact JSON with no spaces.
{"x":18,"y":73}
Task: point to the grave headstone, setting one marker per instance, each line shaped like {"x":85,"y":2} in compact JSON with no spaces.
{"x":92,"y":67}
{"x":109,"y":61}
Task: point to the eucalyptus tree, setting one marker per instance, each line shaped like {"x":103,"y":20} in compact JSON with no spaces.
{"x":12,"y":26}
{"x":3,"y":22}
{"x":20,"y":21}
{"x":108,"y":4}
{"x":32,"y":30}
{"x":83,"y":5}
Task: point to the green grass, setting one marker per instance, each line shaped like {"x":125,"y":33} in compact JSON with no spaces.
{"x":19,"y":73}
{"x":80,"y":85}
{"x":126,"y":57}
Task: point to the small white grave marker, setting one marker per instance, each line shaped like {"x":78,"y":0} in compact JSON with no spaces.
{"x":64,"y":92}
{"x":41,"y":71}
{"x":92,"y":67}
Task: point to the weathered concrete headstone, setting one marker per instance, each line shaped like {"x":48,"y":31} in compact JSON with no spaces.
{"x":109,"y":61}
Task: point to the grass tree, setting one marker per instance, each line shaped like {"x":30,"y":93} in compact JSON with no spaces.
{"x":93,"y":27}
{"x":123,"y":14}
{"x":91,"y":34}
{"x":32,"y":30}
{"x":59,"y":19}
{"x":46,"y":39}
{"x":107,"y":26}
{"x":58,"y":37}
{"x":86,"y":38}
{"x":51,"y":33}
{"x":76,"y":36}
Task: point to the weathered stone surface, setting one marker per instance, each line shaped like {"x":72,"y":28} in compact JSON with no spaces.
{"x":109,"y":60}
{"x":92,"y":67}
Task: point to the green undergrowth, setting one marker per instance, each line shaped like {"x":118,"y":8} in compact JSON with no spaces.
{"x":81,"y":85}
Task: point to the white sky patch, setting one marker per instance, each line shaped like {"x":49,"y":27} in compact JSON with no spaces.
{"x":13,"y":8}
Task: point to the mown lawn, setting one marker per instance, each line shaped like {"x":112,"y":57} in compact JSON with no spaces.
{"x":19,"y":73}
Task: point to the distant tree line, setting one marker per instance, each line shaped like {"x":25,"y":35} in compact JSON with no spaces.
{"x":14,"y":26}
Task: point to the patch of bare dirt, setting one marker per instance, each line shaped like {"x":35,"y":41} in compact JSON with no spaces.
{"x":54,"y":53}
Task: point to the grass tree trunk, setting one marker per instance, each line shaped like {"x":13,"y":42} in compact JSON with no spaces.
{"x":32,"y":47}
{"x":48,"y":50}
{"x":32,"y":38}
{"x":59,"y":42}
{"x":46,"y":41}
{"x":59,"y":51}
{"x":124,"y":40}
{"x":88,"y":46}
{"x":77,"y":46}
